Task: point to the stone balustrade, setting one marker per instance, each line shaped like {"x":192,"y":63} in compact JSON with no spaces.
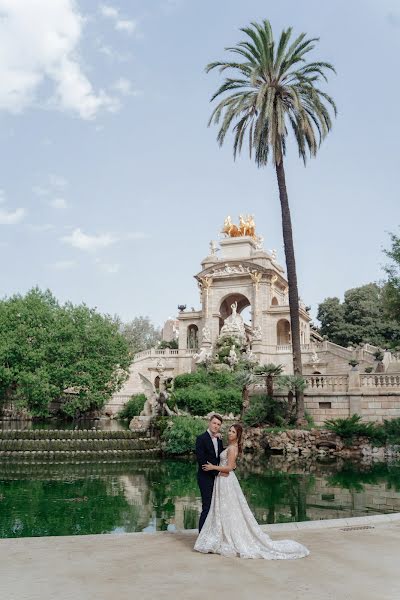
{"x":327,"y":383}
{"x":380,"y":380}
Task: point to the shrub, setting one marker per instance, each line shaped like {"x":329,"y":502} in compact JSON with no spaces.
{"x":198,"y":399}
{"x":202,"y":392}
{"x":392,"y":431}
{"x":133,"y":407}
{"x":229,"y":400}
{"x":180,"y":434}
{"x":264,"y":409}
{"x":351,"y":427}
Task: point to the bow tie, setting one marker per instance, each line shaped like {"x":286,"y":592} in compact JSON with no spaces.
{"x":215,"y":437}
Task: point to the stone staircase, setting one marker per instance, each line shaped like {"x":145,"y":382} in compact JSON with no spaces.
{"x":66,"y":445}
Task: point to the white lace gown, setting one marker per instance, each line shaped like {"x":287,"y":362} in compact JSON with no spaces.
{"x":231,"y":529}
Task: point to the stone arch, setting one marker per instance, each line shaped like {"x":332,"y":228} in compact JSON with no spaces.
{"x":283,"y":332}
{"x":192,"y":337}
{"x":274,"y":301}
{"x":225,"y":308}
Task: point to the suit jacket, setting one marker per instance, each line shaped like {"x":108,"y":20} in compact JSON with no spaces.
{"x":205,"y":452}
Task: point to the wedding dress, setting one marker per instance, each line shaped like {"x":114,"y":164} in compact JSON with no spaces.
{"x":231,"y":529}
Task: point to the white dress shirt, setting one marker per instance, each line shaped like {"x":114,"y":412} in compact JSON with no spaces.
{"x":215,"y":442}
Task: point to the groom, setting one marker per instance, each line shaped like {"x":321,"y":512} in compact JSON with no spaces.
{"x":208,"y":449}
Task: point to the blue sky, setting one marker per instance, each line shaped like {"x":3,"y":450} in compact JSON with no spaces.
{"x":112,"y":186}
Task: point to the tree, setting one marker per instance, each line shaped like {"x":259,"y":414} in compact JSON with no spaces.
{"x":273,"y":87}
{"x":391,"y":289}
{"x":46,"y":349}
{"x":140,"y":334}
{"x":361,"y":318}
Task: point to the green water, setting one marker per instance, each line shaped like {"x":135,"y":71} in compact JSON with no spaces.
{"x":91,"y":498}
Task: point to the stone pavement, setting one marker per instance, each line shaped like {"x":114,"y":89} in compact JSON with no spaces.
{"x":357,"y":560}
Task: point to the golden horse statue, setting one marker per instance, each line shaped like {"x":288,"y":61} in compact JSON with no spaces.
{"x":246,"y":227}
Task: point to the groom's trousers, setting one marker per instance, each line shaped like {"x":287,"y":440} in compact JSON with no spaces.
{"x":206,"y":485}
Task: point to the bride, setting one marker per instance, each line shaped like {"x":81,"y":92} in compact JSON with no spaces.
{"x":230,"y":528}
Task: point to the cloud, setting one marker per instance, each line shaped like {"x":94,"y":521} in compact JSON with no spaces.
{"x":57,"y":181}
{"x":58,"y":203}
{"x":124,"y":87}
{"x":63,"y":265}
{"x":39,"y":227}
{"x":90,"y":243}
{"x":120,"y":24}
{"x":13,"y":217}
{"x":110,"y":268}
{"x":39,"y":43}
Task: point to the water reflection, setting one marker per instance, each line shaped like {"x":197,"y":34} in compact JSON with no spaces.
{"x":89,"y":498}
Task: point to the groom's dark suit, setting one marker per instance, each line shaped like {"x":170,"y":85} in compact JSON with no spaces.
{"x":205,"y":452}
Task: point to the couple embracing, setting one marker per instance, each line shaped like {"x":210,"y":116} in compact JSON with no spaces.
{"x":227,"y":526}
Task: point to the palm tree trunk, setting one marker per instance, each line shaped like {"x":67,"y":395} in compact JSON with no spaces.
{"x":292,"y":281}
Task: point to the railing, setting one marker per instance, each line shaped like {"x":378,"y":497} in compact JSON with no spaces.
{"x":284,"y":348}
{"x":380,"y":380}
{"x":166,"y":352}
{"x":327,"y":383}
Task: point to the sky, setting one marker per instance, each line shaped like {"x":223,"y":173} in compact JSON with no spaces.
{"x":111,"y":184}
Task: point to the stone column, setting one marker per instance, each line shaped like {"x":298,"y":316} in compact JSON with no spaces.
{"x":256,"y":277}
{"x":205,"y":284}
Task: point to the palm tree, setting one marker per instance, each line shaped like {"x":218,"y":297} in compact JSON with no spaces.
{"x":270,"y":370}
{"x":274,"y":87}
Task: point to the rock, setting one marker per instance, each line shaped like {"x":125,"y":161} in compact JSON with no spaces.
{"x":140,"y":424}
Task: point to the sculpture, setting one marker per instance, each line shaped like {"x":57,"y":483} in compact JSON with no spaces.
{"x":203,"y":356}
{"x":206,"y":333}
{"x":213,"y":248}
{"x":232,"y":358}
{"x":155,"y":404}
{"x":246,"y":227}
{"x":233,"y":325}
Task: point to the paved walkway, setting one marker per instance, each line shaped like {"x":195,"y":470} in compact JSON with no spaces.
{"x":353,"y":561}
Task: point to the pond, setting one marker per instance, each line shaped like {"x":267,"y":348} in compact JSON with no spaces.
{"x":152,"y":495}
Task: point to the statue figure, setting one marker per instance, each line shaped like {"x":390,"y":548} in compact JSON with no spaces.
{"x":202,"y":357}
{"x":233,"y":325}
{"x":206,"y":333}
{"x":314,"y":358}
{"x":273,"y":254}
{"x":246,"y":227}
{"x":232,"y":358}
{"x":234,"y":310}
{"x":153,"y":406}
{"x":213,"y":248}
{"x":250,"y":356}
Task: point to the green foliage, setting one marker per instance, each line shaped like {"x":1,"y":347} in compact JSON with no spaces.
{"x":362,"y":317}
{"x":133,"y":407}
{"x":224,"y":346}
{"x":180,"y":434}
{"x":269,"y":369}
{"x":351,"y":427}
{"x":202,"y":392}
{"x":140,"y":334}
{"x":263,"y":410}
{"x":272,"y":85}
{"x":172,"y":344}
{"x":392,"y":430}
{"x":52,"y":353}
{"x":291,"y":383}
{"x":391,"y":289}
